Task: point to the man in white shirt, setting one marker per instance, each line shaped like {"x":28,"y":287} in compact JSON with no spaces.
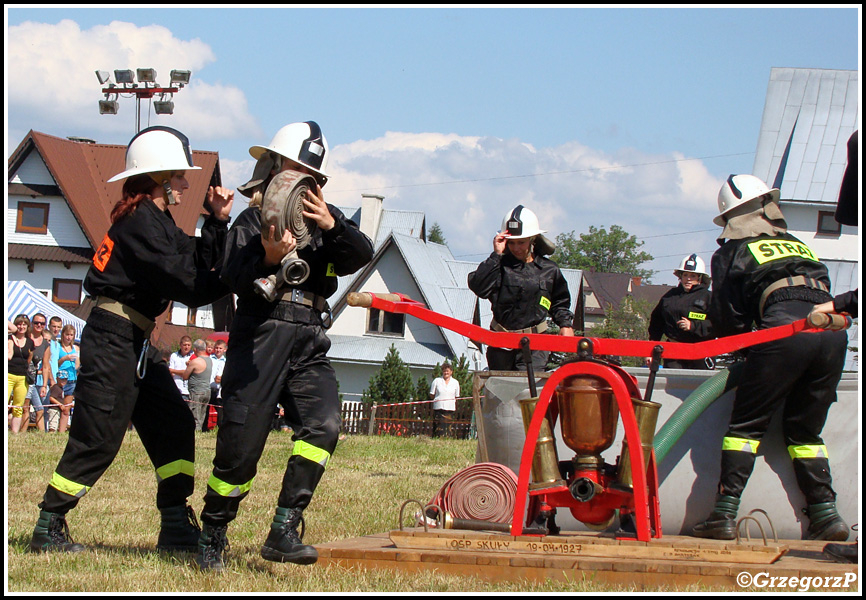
{"x":444,"y":392}
{"x":177,"y":365}
{"x":219,"y":362}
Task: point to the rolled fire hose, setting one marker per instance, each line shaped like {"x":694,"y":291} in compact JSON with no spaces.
{"x":481,"y":492}
{"x":283,"y":208}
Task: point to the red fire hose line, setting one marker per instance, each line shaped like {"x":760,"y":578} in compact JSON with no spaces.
{"x":558,"y":343}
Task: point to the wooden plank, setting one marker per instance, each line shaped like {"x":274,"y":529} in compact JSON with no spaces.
{"x":582,"y":546}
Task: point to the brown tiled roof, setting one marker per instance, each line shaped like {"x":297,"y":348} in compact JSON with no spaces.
{"x":81,"y":170}
{"x":51,"y":253}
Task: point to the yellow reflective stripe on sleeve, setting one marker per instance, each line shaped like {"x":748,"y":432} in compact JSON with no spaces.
{"x":178,"y":467}
{"x":767,"y":250}
{"x":740,"y":445}
{"x":310,"y":452}
{"x":228,"y":490}
{"x":694,"y":316}
{"x":60,"y":483}
{"x":808,"y":451}
{"x":545,"y":302}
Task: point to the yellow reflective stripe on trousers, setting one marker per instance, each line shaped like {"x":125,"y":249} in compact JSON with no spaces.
{"x":740,"y":445}
{"x":310,"y":452}
{"x":178,"y":467}
{"x":228,"y":490}
{"x":808,"y":451}
{"x":66,"y":486}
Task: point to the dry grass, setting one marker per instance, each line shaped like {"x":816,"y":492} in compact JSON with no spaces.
{"x":361,"y":493}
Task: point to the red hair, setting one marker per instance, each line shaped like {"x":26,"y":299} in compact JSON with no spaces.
{"x":136,"y":189}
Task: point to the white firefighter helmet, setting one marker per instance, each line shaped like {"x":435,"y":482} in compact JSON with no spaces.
{"x":154,"y":150}
{"x":740,"y":189}
{"x":520,"y":223}
{"x":302,"y":143}
{"x":693,"y":264}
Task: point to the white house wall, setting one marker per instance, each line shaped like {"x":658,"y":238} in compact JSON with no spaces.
{"x":802,"y":222}
{"x":44,"y":273}
{"x":63,"y":227}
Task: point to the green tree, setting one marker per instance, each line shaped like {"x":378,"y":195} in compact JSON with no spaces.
{"x":615,"y":251}
{"x":392,"y":383}
{"x":628,"y":321}
{"x":435,"y":235}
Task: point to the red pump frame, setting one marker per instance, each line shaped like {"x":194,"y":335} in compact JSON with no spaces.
{"x":645,"y":481}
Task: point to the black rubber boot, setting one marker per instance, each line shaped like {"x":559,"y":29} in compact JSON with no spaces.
{"x":842,"y":553}
{"x":825,"y":523}
{"x":179,"y":530}
{"x":722,"y":522}
{"x":212,"y":547}
{"x":52,"y":534}
{"x":284,"y":544}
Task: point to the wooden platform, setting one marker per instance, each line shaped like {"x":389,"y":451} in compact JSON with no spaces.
{"x":672,"y":561}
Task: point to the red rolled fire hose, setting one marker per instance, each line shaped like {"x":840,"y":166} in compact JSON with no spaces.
{"x":484,"y":491}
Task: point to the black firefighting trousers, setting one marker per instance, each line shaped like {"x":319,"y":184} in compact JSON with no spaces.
{"x":108,"y":396}
{"x":800,"y":375}
{"x":272,"y":361}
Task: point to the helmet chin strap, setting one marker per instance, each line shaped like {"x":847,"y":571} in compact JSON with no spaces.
{"x":163,"y":178}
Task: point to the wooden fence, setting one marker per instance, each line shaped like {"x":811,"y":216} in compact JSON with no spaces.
{"x":408,"y":419}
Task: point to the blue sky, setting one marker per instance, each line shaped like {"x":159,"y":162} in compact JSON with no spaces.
{"x":588,"y":116}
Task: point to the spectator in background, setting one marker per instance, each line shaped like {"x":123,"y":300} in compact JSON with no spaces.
{"x":57,"y":410}
{"x":35,"y":395}
{"x":20,"y":353}
{"x":219,"y":362}
{"x":177,"y":364}
{"x":444,"y":392}
{"x":69,"y":361}
{"x":197,"y":376}
{"x":49,"y":359}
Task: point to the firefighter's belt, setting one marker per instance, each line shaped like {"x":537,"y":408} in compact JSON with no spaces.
{"x":306,"y":298}
{"x":128,"y":313}
{"x":797,"y":281}
{"x":540,"y":328}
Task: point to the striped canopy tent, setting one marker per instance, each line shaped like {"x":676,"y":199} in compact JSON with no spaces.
{"x":23,"y":298}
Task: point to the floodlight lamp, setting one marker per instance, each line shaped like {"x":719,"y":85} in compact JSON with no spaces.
{"x":163,"y":107}
{"x":146,"y":75}
{"x":108,"y":107}
{"x":123,"y":76}
{"x":103,"y":77}
{"x":180,"y":78}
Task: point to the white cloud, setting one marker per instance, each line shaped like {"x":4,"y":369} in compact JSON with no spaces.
{"x":467,"y":184}
{"x":53,"y":69}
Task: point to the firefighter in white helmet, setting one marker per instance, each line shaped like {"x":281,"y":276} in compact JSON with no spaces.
{"x":681,"y":314}
{"x":524,"y":287}
{"x":765,"y":277}
{"x":143,"y":263}
{"x":278,"y":351}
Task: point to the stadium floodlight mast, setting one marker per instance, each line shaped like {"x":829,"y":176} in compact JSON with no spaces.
{"x":147,"y":87}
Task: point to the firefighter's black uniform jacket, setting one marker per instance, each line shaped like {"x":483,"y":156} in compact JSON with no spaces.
{"x":277,"y":354}
{"x":799,"y":373}
{"x":143,"y":262}
{"x":673,"y":306}
{"x":522,"y":295}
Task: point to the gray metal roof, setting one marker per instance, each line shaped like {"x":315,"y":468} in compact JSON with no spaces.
{"x":371,"y":349}
{"x":809,"y":114}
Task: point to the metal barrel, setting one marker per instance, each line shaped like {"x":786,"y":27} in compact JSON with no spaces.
{"x":545,"y":464}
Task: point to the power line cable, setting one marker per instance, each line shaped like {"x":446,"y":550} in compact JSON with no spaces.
{"x":589,"y":170}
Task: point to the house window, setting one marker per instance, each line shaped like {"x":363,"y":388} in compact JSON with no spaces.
{"x":32,"y":218}
{"x":385,"y":323}
{"x":827,"y":224}
{"x":66,"y":292}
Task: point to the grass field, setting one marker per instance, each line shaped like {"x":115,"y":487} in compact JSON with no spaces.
{"x":367,"y":481}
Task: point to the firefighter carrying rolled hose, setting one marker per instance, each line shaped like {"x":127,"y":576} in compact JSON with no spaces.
{"x":278,"y":351}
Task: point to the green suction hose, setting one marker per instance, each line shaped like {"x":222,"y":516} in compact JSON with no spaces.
{"x":693,"y":406}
